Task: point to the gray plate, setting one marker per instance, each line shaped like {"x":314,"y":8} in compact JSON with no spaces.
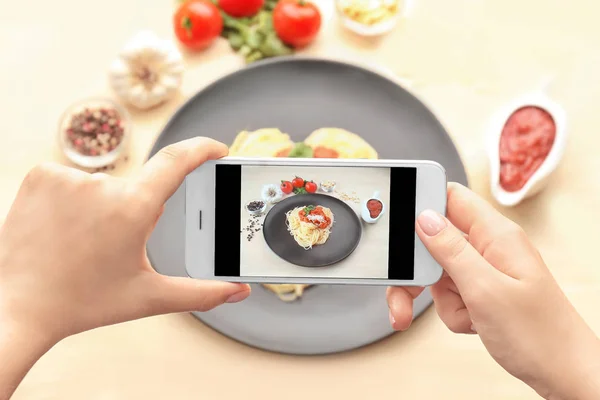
{"x":334,"y":250}
{"x":299,"y":96}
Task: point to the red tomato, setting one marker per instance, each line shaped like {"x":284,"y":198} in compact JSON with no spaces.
{"x":324,"y":152}
{"x":197,"y":23}
{"x":298,"y":182}
{"x":296,"y":22}
{"x":286,"y":187}
{"x":310,"y":187}
{"x":241,"y":8}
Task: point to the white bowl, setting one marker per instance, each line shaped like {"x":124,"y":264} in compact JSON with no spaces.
{"x":376,"y":29}
{"x":98,"y":161}
{"x":540,"y":177}
{"x":364,"y":213}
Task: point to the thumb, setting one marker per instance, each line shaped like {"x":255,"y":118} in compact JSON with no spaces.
{"x":450,"y":248}
{"x":176,"y":294}
{"x":164,"y":173}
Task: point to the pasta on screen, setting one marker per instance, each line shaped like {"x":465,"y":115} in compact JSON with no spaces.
{"x":310,"y":225}
{"x":271,"y":142}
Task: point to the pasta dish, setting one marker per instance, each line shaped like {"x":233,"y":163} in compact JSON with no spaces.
{"x":309,"y":225}
{"x":287,"y":292}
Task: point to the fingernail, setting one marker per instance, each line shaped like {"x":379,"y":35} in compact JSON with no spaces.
{"x":431,"y":222}
{"x":237,"y":297}
{"x":392,"y":319}
{"x":473,"y":329}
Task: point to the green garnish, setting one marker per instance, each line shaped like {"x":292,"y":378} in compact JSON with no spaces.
{"x":254,"y":37}
{"x":308,"y":209}
{"x":301,"y":150}
{"x":300,"y":191}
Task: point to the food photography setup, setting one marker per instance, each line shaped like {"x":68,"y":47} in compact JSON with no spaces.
{"x":386,"y":158}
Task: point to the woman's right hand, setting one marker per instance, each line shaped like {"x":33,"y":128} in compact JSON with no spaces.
{"x":496,"y":284}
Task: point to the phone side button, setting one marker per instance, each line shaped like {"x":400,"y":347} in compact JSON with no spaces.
{"x":200,"y":219}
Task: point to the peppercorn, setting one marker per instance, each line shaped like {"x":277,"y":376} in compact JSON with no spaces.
{"x":91,"y":133}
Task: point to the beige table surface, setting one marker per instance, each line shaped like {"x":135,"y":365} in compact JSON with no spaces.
{"x":463,"y":58}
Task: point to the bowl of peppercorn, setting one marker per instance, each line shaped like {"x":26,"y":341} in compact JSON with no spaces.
{"x":256,"y":207}
{"x":94,"y":133}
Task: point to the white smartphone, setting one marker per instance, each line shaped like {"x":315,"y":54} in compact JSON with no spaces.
{"x":312,"y":221}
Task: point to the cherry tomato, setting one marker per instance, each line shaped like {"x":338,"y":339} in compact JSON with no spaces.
{"x":296,"y":22}
{"x":197,"y":23}
{"x":241,"y":8}
{"x":298,"y":182}
{"x":310,"y":187}
{"x":324,"y":152}
{"x":286,"y":187}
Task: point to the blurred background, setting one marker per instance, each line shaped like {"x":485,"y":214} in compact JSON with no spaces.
{"x":465,"y":59}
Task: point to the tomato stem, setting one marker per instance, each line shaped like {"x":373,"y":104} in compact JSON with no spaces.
{"x":186,"y":23}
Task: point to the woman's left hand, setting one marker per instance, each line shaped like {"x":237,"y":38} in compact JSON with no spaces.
{"x":73,"y":248}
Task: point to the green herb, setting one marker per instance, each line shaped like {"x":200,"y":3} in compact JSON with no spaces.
{"x":255,"y":33}
{"x":301,"y":150}
{"x":300,"y":191}
{"x":308,"y":209}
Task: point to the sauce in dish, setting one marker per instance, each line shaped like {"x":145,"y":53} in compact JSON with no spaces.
{"x":525,"y":142}
{"x":315,"y":215}
{"x":375,"y":207}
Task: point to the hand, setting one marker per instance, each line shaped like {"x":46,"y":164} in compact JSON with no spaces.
{"x":497,"y":285}
{"x":73,"y":248}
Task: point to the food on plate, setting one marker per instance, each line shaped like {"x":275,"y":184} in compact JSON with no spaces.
{"x":375,"y":207}
{"x":271,"y":142}
{"x":324,"y":152}
{"x":286,"y":187}
{"x":241,"y":8}
{"x":266,"y":142}
{"x":310,"y":187}
{"x":147,"y":72}
{"x":297,"y":22}
{"x":310,"y":225}
{"x":287,"y":292}
{"x":328,"y":186}
{"x":197,"y":23}
{"x":254,"y":38}
{"x":272,"y":193}
{"x":345,"y":143}
{"x":525,"y":142}
{"x":300,"y":150}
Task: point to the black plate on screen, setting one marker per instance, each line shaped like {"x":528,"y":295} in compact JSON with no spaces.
{"x":299,"y":95}
{"x":344,"y":235}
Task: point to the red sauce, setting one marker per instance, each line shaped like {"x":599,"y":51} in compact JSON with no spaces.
{"x":374,"y":206}
{"x":318,"y":210}
{"x":324,"y":152}
{"x":526,"y":140}
{"x":283,"y":153}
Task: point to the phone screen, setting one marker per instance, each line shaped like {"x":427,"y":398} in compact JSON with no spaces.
{"x":302,"y":221}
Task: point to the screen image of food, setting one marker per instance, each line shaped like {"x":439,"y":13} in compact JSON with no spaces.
{"x":362,"y":225}
{"x":308,"y":221}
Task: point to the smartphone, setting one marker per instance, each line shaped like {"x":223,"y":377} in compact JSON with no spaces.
{"x":312,"y":221}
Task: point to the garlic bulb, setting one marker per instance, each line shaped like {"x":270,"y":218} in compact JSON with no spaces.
{"x":272,"y":193}
{"x":148,"y":71}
